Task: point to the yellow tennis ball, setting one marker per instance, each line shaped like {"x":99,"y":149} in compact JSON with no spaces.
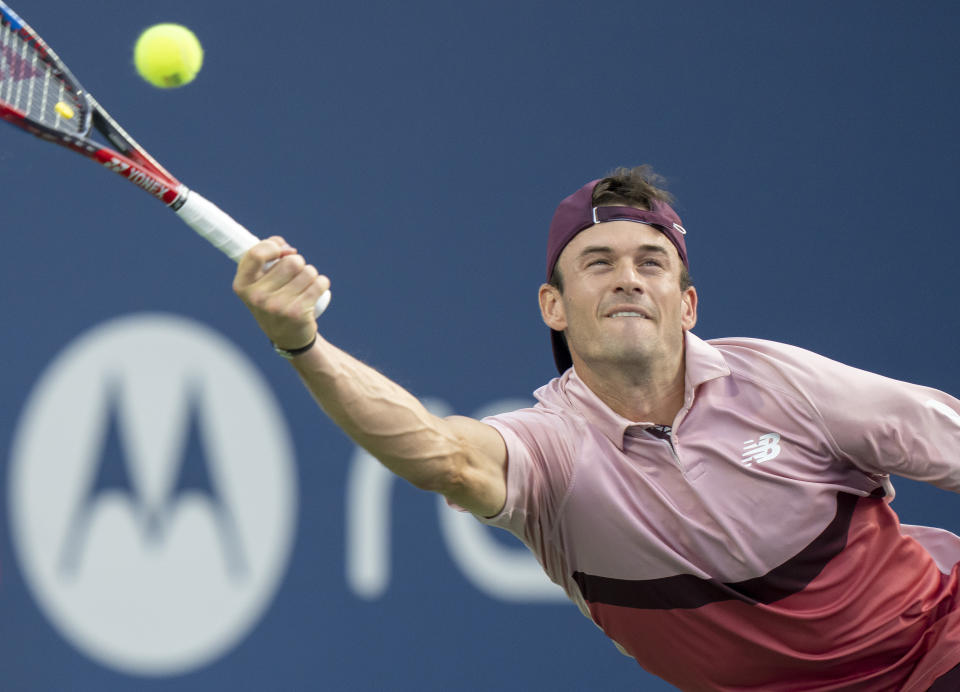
{"x":168,"y":55}
{"x":64,"y":110}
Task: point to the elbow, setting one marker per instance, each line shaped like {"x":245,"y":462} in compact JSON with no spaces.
{"x":446,"y":477}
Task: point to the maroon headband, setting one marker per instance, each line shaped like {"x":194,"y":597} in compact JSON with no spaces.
{"x":577,"y":213}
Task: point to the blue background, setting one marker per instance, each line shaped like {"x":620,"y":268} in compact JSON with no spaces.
{"x":415,"y":152}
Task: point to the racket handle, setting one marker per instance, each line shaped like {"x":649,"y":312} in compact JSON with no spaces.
{"x":225,"y":234}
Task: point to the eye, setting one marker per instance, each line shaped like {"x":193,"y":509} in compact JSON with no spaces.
{"x":595,"y":262}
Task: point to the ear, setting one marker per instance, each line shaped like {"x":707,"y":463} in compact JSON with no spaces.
{"x":551,"y":308}
{"x":688,"y":309}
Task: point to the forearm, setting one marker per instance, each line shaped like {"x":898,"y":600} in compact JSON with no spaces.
{"x":461,"y":458}
{"x":380,"y":416}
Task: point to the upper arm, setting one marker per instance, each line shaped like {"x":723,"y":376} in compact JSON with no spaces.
{"x":900,"y":428}
{"x":885,"y":426}
{"x":480,"y":484}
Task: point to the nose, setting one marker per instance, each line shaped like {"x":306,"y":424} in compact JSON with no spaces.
{"x":627,"y":278}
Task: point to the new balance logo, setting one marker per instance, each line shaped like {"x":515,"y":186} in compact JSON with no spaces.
{"x":764,"y":448}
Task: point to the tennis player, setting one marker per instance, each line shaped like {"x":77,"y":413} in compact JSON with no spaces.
{"x":720,"y":509}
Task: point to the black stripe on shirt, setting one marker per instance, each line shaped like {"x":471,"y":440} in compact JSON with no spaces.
{"x":688,"y":591}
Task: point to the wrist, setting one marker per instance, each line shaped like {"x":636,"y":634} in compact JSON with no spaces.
{"x":289,"y":353}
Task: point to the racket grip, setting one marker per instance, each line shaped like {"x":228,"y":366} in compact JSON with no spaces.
{"x":225,"y":234}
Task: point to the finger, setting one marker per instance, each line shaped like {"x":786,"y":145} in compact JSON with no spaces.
{"x":286,"y":248}
{"x":251,"y":265}
{"x":281,"y":272}
{"x":312,"y":292}
{"x":303,"y":305}
{"x":286,"y":293}
{"x":318,"y":287}
{"x":278,"y":291}
{"x":289,"y":275}
{"x":279,"y":240}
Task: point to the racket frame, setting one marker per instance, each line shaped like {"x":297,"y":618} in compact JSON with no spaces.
{"x":130,"y":160}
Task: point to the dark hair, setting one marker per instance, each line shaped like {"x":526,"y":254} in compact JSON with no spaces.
{"x":629,"y":187}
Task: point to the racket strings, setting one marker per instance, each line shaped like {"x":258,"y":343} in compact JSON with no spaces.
{"x":31,"y":85}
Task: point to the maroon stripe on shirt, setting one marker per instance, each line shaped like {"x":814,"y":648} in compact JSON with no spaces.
{"x":688,"y":591}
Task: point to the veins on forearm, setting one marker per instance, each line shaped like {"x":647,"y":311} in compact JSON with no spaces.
{"x":381,"y":416}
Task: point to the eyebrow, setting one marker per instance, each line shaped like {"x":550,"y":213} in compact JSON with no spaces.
{"x":605,"y":250}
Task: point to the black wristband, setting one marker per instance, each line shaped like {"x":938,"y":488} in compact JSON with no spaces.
{"x":295,"y":352}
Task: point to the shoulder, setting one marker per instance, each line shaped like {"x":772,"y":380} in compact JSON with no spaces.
{"x":788,"y":370}
{"x":814,"y":378}
{"x":549,"y":434}
{"x":555,"y":409}
{"x":763,"y":358}
{"x":538,"y":426}
{"x":760,"y":348}
{"x":542,"y":444}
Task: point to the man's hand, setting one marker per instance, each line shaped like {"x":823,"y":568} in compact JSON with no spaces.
{"x":280,"y":289}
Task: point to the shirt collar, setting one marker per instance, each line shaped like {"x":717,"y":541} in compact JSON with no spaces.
{"x":702,"y":363}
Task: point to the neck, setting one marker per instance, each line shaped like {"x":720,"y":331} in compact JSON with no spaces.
{"x":641,"y":392}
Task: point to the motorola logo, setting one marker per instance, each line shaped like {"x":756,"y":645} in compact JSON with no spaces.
{"x":152,"y":494}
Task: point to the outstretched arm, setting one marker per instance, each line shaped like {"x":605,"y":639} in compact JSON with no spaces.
{"x":461,"y":458}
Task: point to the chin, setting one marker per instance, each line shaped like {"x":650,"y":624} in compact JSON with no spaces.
{"x":626,"y":358}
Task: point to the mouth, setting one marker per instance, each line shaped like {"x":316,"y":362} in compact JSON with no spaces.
{"x":621,"y":312}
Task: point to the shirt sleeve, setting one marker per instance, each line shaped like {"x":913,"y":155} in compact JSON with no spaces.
{"x":540,"y":462}
{"x":881,"y":425}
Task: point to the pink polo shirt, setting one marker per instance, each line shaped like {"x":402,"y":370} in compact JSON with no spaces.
{"x":753,"y":548}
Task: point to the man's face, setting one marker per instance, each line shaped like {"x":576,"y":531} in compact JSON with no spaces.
{"x":621,"y":302}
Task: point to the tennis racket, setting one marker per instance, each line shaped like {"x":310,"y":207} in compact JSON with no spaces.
{"x":40,"y":95}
